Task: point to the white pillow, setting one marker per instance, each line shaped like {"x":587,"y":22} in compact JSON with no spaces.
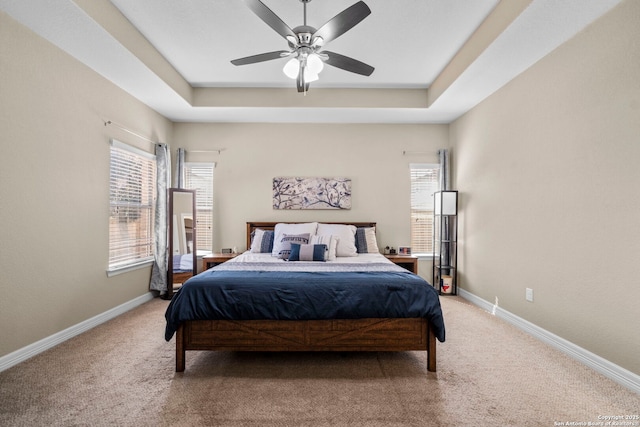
{"x":330,"y":241}
{"x":284,"y":228}
{"x":346,"y":235}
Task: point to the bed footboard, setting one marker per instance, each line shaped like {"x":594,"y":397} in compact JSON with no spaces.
{"x":306,"y":335}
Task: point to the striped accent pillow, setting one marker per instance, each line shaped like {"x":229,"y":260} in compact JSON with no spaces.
{"x":262,"y":241}
{"x":330,"y":241}
{"x":308,"y":252}
{"x":366,"y":242}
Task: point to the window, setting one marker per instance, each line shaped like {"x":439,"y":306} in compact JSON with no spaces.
{"x":132,"y":185}
{"x":424,"y":182}
{"x":199,"y":177}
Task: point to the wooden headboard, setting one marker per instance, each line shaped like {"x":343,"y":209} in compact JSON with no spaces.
{"x":251,"y":226}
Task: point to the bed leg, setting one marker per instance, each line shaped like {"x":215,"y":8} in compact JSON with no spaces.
{"x":431,"y":350}
{"x":180,"y":351}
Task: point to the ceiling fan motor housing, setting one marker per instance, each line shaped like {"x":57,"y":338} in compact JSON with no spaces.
{"x":304,"y":34}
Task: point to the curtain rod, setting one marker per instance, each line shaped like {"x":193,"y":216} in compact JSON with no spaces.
{"x":215,"y":150}
{"x":109,"y":122}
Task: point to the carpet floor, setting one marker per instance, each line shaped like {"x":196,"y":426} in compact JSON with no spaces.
{"x":489,"y":374}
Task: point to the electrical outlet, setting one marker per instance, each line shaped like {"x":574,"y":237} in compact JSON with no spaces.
{"x":529,"y":294}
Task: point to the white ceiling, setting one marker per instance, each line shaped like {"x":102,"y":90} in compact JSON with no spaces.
{"x":181,"y":66}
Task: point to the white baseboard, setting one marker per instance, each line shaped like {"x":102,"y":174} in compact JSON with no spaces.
{"x":610,"y":370}
{"x":38,"y":347}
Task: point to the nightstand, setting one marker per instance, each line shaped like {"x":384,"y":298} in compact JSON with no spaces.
{"x":212,"y":260}
{"x":409,"y":262}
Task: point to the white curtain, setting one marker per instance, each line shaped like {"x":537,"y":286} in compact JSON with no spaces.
{"x":160,"y":253}
{"x":179,"y":181}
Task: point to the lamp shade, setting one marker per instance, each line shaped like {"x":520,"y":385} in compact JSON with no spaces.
{"x":310,"y":76}
{"x":446,"y":203}
{"x":292,"y":68}
{"x":314,"y":64}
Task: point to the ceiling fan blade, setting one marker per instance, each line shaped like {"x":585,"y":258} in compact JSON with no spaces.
{"x":260,"y":57}
{"x":343,"y":22}
{"x":348,"y":64}
{"x":270,"y":18}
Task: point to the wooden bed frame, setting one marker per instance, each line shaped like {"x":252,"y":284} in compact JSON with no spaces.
{"x":343,"y":335}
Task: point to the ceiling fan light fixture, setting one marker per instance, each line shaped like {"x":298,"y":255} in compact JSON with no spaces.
{"x":310,"y":76}
{"x":314,"y":63}
{"x":292,"y":68}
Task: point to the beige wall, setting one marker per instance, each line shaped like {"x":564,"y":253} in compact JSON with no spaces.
{"x":548,"y":173}
{"x":54,"y":195}
{"x":371,"y":155}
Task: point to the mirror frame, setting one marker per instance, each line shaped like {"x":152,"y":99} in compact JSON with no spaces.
{"x":194,"y":250}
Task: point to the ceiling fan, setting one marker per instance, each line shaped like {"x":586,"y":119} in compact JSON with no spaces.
{"x":306,"y":44}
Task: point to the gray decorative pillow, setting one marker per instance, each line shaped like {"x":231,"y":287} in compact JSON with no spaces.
{"x":283,"y":228}
{"x":287,"y":240}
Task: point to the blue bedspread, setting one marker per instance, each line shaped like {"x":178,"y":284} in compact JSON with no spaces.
{"x":301,"y":295}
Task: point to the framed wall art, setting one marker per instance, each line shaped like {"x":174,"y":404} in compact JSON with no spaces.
{"x":311,"y":193}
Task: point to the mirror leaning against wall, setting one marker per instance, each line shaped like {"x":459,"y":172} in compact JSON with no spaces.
{"x":182,"y":238}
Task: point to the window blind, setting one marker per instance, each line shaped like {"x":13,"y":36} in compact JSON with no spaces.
{"x":199,"y":177}
{"x":424,"y":182}
{"x":132,"y":183}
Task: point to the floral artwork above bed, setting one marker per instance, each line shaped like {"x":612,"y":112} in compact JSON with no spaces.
{"x":311,"y":193}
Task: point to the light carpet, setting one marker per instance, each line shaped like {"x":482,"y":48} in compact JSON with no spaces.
{"x":489,"y":374}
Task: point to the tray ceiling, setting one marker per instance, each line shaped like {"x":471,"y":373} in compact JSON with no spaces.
{"x":433,"y":59}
